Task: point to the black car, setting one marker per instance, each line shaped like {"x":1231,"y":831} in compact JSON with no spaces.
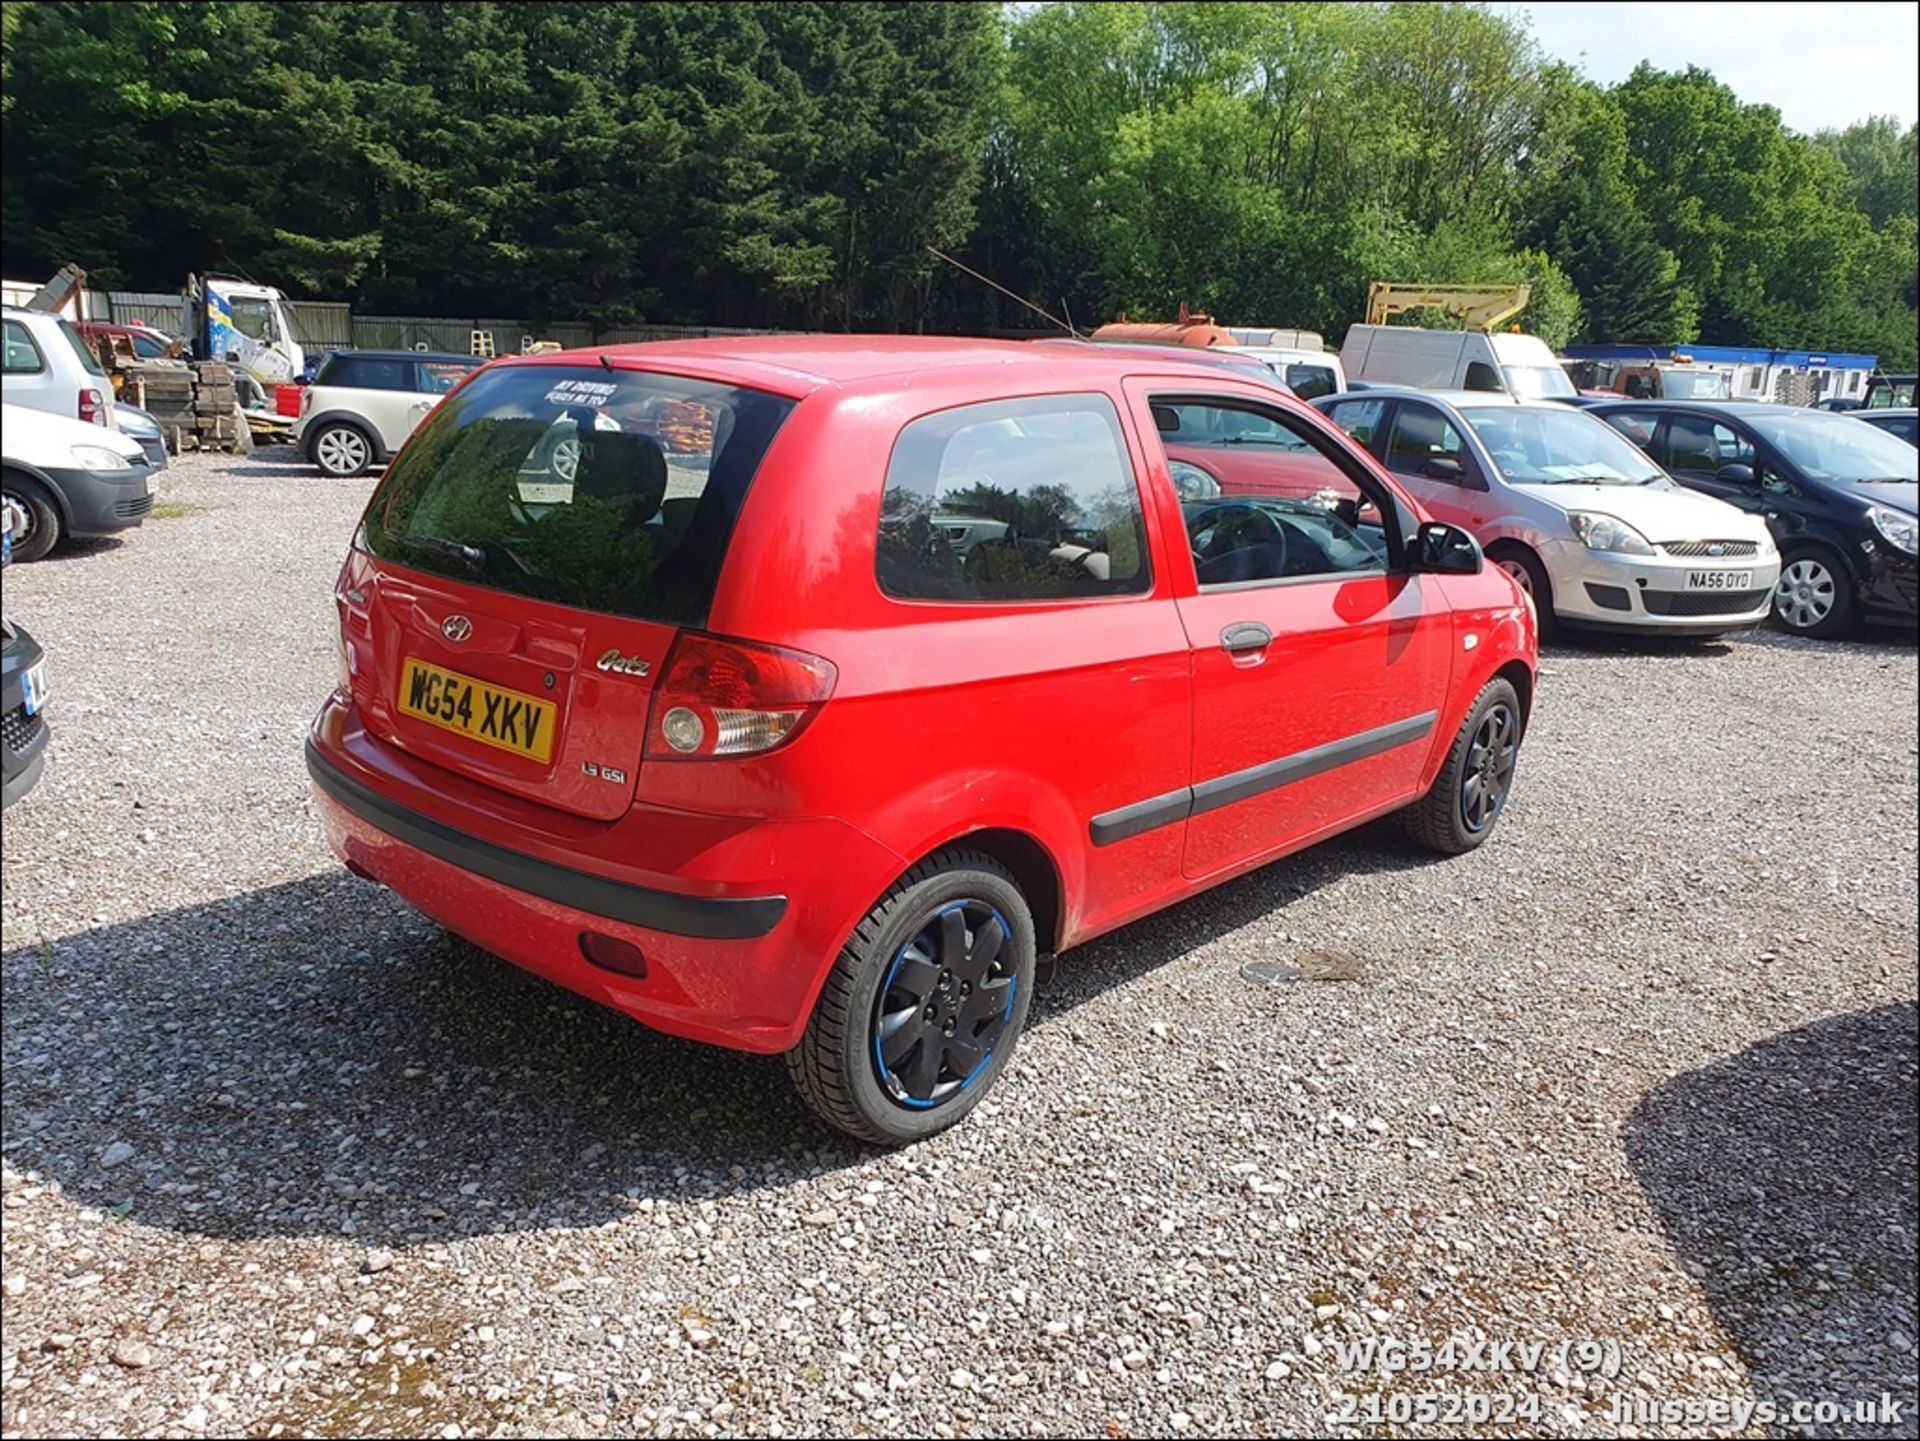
{"x":1839,"y":497}
{"x":23,"y":694}
{"x":1903,"y":423}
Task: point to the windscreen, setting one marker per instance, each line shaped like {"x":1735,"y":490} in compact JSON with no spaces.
{"x":615,"y":491}
{"x":1537,"y":381}
{"x":1695,"y":385}
{"x":1836,"y":448}
{"x":1554,"y":445}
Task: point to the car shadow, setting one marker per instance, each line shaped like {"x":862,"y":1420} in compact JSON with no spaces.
{"x":318,"y":1058}
{"x":1784,"y":1178}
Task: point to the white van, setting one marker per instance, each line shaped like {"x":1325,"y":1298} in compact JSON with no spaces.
{"x":1518,"y":365}
{"x":1299,"y":358}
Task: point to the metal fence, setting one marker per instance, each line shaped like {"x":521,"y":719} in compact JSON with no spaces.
{"x":321,"y":325}
{"x":161,"y":309}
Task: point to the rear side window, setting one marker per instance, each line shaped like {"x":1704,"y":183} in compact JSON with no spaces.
{"x":23,"y":356}
{"x":614,"y":491}
{"x":368,"y":372}
{"x":89,"y":362}
{"x":1014,"y":500}
{"x":1358,"y":418}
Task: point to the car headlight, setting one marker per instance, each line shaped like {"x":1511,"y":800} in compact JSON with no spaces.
{"x":1190,"y":482}
{"x":1896,"y":527}
{"x":1608,"y":533}
{"x":98,"y":457}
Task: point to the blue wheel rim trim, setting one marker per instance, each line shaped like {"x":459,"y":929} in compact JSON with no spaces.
{"x":1487,"y":776}
{"x":917,"y":951}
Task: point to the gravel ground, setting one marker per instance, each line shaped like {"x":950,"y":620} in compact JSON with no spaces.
{"x":280,"y":1159}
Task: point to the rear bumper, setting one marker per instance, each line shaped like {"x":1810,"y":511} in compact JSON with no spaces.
{"x":738,"y":919}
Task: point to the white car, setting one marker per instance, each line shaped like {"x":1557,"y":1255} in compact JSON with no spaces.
{"x":61,"y":477}
{"x":1592,"y":529}
{"x":49,"y":366}
{"x":365,"y":403}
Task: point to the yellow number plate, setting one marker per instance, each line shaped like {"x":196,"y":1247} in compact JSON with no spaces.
{"x":490,"y":714}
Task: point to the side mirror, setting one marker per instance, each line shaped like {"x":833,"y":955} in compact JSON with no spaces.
{"x":1441,"y":549}
{"x":1441,"y":468}
{"x":1739,"y":476}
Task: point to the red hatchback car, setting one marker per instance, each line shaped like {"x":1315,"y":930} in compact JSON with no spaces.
{"x":809,"y":737}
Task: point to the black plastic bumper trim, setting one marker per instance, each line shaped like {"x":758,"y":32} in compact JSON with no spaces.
{"x":713,"y":918}
{"x":1147,"y":815}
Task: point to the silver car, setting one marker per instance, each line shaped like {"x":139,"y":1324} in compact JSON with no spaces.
{"x":1592,"y":529}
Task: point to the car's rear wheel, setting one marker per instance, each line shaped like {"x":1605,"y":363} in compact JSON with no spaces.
{"x":36,"y":519}
{"x":923,"y":1006}
{"x":1531,"y":576}
{"x":1813,"y":597}
{"x":341,"y":450}
{"x":1468,"y":796}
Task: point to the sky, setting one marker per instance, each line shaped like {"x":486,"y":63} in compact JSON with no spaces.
{"x":1821,"y":66}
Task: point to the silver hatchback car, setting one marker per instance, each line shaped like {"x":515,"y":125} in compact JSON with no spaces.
{"x":1592,"y":529}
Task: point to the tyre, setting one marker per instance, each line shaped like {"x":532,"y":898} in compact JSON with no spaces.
{"x":1524,"y":566}
{"x":923,"y":1006}
{"x":1467,"y":797}
{"x":36,"y":519}
{"x":341,"y":450}
{"x":1814,"y":596}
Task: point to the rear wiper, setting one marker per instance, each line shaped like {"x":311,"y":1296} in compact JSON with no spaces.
{"x":474,"y":558}
{"x":1884,"y":480}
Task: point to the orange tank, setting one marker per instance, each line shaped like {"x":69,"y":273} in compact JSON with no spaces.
{"x":1194,"y":328}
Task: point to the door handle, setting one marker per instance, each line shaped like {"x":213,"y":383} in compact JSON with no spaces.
{"x":1245,"y":635}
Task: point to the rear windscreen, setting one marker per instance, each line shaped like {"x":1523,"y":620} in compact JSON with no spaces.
{"x":615,"y":491}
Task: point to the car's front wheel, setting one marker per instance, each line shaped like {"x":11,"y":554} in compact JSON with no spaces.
{"x":1531,"y":576}
{"x":923,"y":1006}
{"x":35,"y":518}
{"x":1814,"y":596}
{"x":341,"y":450}
{"x":1468,"y":796}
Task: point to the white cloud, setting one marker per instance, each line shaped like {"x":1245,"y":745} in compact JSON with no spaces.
{"x":1820,"y":66}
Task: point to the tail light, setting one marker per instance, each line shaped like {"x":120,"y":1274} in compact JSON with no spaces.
{"x":93,"y":407}
{"x":727,"y":698}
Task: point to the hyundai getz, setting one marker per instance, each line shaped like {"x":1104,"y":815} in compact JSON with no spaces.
{"x":795,"y":694}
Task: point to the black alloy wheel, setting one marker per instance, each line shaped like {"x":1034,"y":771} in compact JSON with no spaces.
{"x":1487,"y":776}
{"x":945,"y":1004}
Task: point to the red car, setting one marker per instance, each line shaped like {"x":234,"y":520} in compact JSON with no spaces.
{"x":811,"y":742}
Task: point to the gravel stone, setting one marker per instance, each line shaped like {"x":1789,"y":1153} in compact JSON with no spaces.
{"x":1604,"y":1117}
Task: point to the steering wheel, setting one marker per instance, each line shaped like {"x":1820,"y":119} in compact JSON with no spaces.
{"x":1238,"y":525}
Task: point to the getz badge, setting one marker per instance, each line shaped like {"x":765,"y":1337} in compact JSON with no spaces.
{"x":623,"y":664}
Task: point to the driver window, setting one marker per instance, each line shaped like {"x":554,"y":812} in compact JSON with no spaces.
{"x":1698,"y":444}
{"x":1260,"y":502}
{"x":1422,"y":436}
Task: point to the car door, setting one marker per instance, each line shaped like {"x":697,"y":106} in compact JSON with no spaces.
{"x":1430,"y":457}
{"x":433,"y":381}
{"x":1317,"y":659}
